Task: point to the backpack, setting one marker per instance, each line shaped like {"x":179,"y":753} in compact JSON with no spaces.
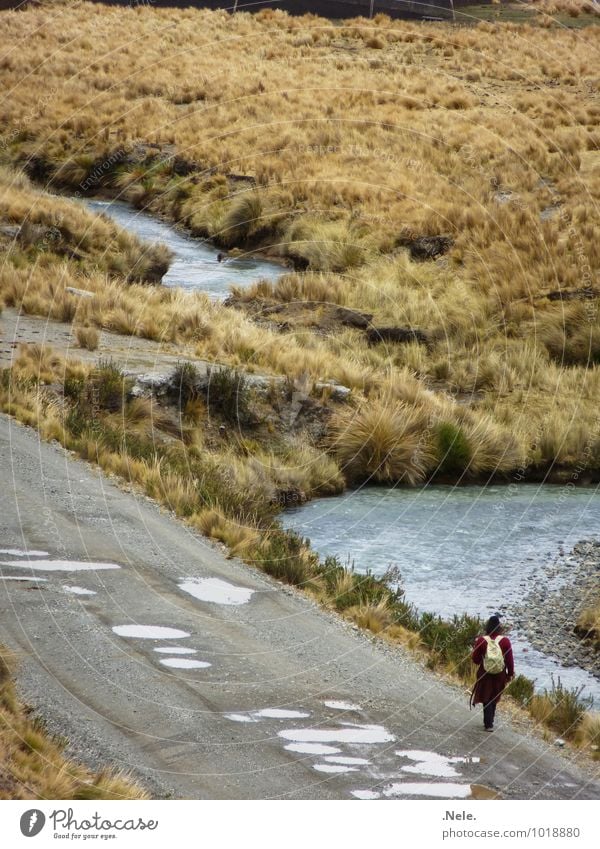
{"x":493,"y":660}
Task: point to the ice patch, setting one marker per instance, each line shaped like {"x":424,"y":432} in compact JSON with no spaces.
{"x":312,"y":749}
{"x":334,"y":769}
{"x":175,"y":650}
{"x":21,"y":578}
{"x":335,"y":705}
{"x":240,"y":717}
{"x":355,"y":734}
{"x":60,"y":565}
{"x":79,"y":591}
{"x":149,"y":632}
{"x":448,"y":790}
{"x":348,"y":761}
{"x":185,"y":663}
{"x":430,"y":763}
{"x":18,"y":552}
{"x":216,"y":591}
{"x":366,"y":794}
{"x":279,"y":713}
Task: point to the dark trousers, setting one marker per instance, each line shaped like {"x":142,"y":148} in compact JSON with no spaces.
{"x":489,"y":711}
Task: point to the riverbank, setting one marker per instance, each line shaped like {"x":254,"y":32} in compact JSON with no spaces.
{"x":562,"y":589}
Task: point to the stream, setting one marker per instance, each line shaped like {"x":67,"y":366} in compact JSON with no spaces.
{"x":195,"y":265}
{"x":460,"y":549}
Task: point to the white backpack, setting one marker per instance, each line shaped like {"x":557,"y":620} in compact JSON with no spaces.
{"x":493,"y":660}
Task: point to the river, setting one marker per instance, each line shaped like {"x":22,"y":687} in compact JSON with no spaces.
{"x":460,"y":549}
{"x":195,"y":265}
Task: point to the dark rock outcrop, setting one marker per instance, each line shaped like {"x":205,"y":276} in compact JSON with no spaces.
{"x":396,"y":334}
{"x":427,"y":247}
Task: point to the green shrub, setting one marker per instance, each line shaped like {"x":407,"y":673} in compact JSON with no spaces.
{"x":284,"y":555}
{"x":521,"y":689}
{"x":560,"y":708}
{"x":229,"y":395}
{"x":453,"y":449}
{"x":184,"y":382}
{"x":106,"y":387}
{"x":450,"y":641}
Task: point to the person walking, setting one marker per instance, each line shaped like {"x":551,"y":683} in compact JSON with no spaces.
{"x":492,"y":652}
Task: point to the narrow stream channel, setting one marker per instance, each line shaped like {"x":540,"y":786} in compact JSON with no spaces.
{"x":460,"y":549}
{"x":195,"y":265}
{"x":468,"y":549}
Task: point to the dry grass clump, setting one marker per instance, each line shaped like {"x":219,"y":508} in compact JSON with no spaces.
{"x":588,"y":733}
{"x":381,"y":442}
{"x":87,"y":337}
{"x":588,"y":623}
{"x":32,"y":762}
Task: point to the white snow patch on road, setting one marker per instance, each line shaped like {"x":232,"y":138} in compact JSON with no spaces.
{"x":366,"y":794}
{"x":149,"y":632}
{"x":448,"y":790}
{"x":79,"y":590}
{"x":60,"y":565}
{"x":333,"y":768}
{"x":312,"y":749}
{"x":240,"y":717}
{"x":279,"y":713}
{"x":216,"y":591}
{"x":335,"y":705}
{"x":431,"y":763}
{"x":355,"y":734}
{"x":21,"y":578}
{"x":18,"y":552}
{"x":175,"y":650}
{"x":185,"y":663}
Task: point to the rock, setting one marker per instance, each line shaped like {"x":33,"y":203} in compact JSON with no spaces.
{"x":559,"y":742}
{"x":10,"y":230}
{"x":152,"y":383}
{"x":352,"y":318}
{"x":395,"y":334}
{"x":427,"y":247}
{"x":81,"y":293}
{"x":337,"y":391}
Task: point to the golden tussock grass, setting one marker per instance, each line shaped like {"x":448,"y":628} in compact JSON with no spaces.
{"x":588,"y":622}
{"x":87,"y":337}
{"x":487,"y":134}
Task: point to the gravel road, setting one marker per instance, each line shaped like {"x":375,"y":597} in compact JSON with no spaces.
{"x":294,"y":703}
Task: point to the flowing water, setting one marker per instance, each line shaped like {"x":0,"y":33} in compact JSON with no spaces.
{"x":195,"y":265}
{"x":468,"y":549}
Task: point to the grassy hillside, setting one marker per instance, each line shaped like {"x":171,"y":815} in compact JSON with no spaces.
{"x":348,"y":149}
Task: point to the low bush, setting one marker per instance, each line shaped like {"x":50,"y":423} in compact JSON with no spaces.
{"x":106,"y":387}
{"x":560,"y":708}
{"x":229,"y":395}
{"x":521,"y":689}
{"x":452,"y":449}
{"x":450,"y":641}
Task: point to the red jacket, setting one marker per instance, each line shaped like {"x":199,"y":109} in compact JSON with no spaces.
{"x":489,"y":687}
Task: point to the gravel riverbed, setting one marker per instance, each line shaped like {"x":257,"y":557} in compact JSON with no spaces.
{"x":559,"y":591}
